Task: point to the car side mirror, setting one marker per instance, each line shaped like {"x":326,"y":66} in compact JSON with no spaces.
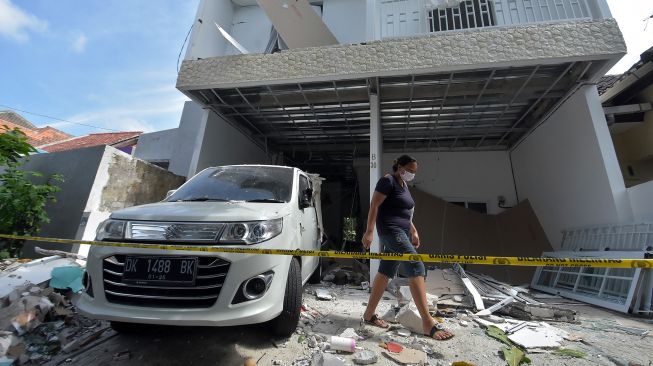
{"x":305,"y":198}
{"x":170,"y":193}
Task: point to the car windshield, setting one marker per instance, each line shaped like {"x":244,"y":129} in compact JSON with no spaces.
{"x":238,"y":183}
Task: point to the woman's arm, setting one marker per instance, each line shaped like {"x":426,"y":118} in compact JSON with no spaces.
{"x":377,"y":200}
{"x":414,"y":236}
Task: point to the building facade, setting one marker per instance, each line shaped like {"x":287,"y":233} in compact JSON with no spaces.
{"x":496,"y":99}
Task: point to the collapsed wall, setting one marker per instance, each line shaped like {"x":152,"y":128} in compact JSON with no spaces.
{"x":445,"y":228}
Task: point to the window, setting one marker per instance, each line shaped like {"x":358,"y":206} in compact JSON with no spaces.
{"x":303,"y":186}
{"x":468,"y":14}
{"x":238,"y":183}
{"x":480,"y":207}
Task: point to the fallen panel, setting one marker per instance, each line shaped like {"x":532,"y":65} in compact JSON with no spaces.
{"x":611,"y":288}
{"x":34,"y":272}
{"x":543,"y":336}
{"x":297,"y":23}
{"x":478,"y":301}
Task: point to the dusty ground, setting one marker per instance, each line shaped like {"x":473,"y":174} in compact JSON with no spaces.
{"x":229,"y":346}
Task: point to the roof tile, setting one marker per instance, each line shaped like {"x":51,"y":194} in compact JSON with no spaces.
{"x":94,"y":139}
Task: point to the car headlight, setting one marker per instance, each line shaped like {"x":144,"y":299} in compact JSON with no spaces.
{"x":111,"y":229}
{"x":251,"y":232}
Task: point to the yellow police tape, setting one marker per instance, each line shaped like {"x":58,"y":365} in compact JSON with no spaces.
{"x":429,"y":258}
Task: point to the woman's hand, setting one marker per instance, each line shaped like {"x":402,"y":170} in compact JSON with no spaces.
{"x":367,"y":239}
{"x":414,"y":238}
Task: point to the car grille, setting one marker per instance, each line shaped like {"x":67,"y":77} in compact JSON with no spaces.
{"x":211,"y":273}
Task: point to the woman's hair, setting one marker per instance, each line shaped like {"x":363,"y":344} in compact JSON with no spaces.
{"x":403,"y":161}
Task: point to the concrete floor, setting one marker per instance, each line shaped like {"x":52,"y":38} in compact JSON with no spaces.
{"x":229,"y":346}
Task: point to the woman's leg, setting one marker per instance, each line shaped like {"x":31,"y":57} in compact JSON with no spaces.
{"x":418,"y":290}
{"x":378,"y":287}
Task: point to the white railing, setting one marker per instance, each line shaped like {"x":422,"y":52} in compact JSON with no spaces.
{"x":401,"y":18}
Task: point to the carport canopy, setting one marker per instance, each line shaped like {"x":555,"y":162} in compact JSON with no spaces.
{"x":322,"y":126}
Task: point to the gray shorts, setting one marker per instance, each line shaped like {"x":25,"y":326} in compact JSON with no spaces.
{"x":399,"y":242}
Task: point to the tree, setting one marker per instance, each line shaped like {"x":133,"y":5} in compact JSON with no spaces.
{"x":22,"y":203}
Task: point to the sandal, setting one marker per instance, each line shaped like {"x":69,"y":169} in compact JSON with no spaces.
{"x":376,"y":321}
{"x":445,"y":313}
{"x":443,"y":333}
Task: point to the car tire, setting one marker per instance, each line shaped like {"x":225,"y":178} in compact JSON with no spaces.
{"x":123,"y":327}
{"x":316,"y":277}
{"x":285,"y":324}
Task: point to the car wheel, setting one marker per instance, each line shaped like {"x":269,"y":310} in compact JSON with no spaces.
{"x":122,"y":327}
{"x":316,"y":277}
{"x":285,"y":324}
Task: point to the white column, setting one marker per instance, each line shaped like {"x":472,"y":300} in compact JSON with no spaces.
{"x":373,"y":31}
{"x":376,"y":149}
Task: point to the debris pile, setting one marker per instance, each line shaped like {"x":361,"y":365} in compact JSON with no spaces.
{"x":37,"y":315}
{"x":463,"y":302}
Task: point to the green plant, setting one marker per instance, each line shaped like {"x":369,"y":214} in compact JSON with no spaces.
{"x":22,"y":203}
{"x":349,"y":229}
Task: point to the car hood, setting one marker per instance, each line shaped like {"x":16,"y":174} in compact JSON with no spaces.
{"x":204,"y":211}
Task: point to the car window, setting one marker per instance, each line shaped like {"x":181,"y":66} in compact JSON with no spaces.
{"x":238,"y":183}
{"x":303,"y":185}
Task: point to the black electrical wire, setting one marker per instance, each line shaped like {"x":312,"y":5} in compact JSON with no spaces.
{"x":57,"y":119}
{"x":183,"y":44}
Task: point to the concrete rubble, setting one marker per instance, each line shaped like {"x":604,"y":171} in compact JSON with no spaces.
{"x":519,"y":321}
{"x":38,"y":320}
{"x":580,"y":337}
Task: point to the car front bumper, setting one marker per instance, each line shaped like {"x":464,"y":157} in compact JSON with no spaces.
{"x":222,"y":313}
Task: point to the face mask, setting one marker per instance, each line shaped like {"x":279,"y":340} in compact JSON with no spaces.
{"x":407,"y":176}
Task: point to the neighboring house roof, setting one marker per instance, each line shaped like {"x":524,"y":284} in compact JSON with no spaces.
{"x":609,"y":81}
{"x":15,"y":118}
{"x":38,"y":136}
{"x":94,"y":139}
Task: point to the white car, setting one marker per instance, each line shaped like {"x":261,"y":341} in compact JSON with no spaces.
{"x":253,"y":206}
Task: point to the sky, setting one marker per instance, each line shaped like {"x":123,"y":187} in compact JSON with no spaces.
{"x":113,"y":63}
{"x":107,"y":63}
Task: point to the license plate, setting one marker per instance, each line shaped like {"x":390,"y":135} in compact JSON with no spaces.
{"x":160,"y":271}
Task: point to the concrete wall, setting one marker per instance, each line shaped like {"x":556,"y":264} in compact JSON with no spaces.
{"x":641,"y":200}
{"x":176,"y":145}
{"x":98,"y":180}
{"x":222,"y":144}
{"x":132,"y":182}
{"x":78,"y":168}
{"x":479,"y":176}
{"x":205,"y":40}
{"x":346,"y":19}
{"x":156,"y":146}
{"x":568,"y":169}
{"x":121,"y":181}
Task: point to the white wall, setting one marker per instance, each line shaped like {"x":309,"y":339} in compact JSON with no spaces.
{"x":251,"y":28}
{"x":156,"y":146}
{"x":568,"y":169}
{"x":205,"y":40}
{"x":188,"y":136}
{"x":346,"y":19}
{"x":641,"y":200}
{"x":479,"y":176}
{"x":222,"y":144}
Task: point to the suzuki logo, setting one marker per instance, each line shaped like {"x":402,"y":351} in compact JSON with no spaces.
{"x":172,"y":232}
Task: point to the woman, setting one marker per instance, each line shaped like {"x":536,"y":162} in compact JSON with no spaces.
{"x":391,"y":211}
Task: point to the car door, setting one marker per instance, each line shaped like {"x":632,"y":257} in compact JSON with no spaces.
{"x":307,"y":228}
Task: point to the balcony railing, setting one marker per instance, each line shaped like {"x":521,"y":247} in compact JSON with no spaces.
{"x":400,"y":18}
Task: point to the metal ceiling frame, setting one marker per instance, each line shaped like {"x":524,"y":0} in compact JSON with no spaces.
{"x":328,"y":122}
